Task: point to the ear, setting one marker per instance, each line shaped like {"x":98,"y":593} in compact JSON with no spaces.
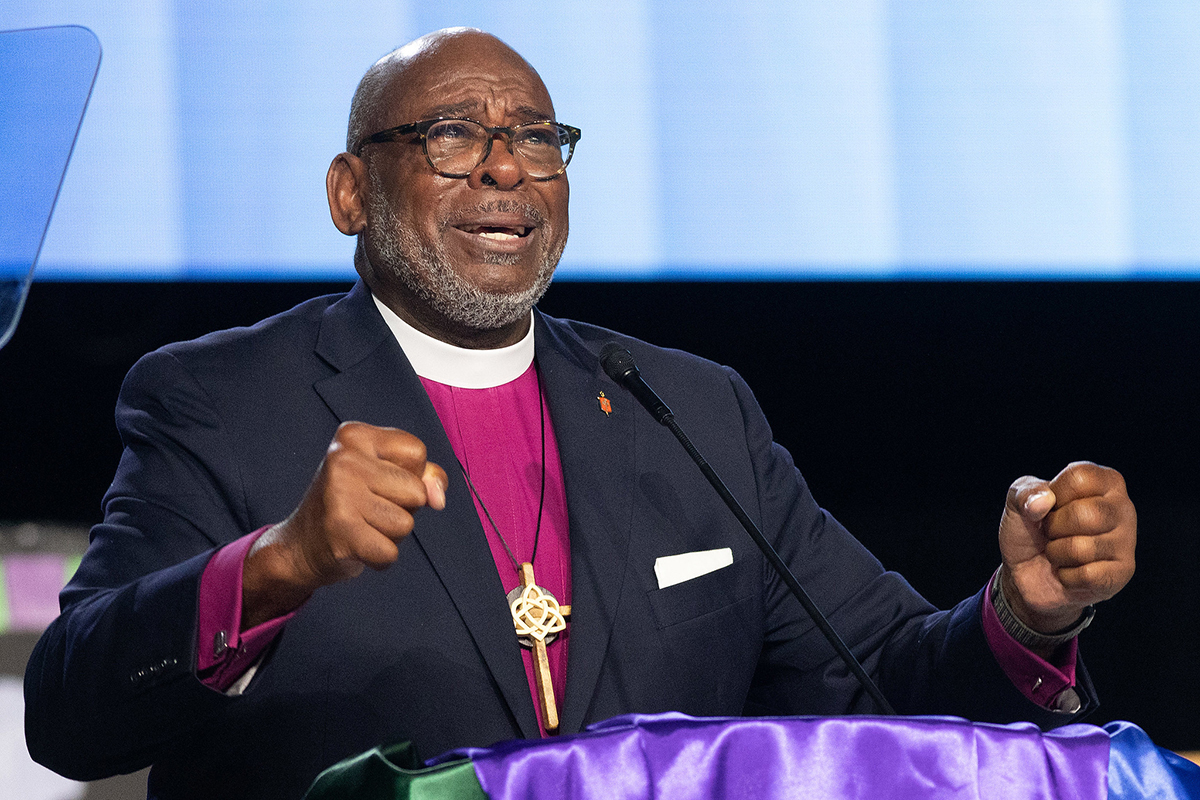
{"x":346,"y":186}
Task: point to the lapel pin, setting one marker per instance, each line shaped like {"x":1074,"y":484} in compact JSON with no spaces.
{"x":605,"y":405}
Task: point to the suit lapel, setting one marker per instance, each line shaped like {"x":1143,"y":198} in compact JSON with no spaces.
{"x":597,"y":457}
{"x":376,"y":384}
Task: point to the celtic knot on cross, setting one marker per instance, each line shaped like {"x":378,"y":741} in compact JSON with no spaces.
{"x":536,"y":614}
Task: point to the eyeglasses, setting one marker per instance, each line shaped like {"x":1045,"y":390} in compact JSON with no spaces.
{"x":455,"y":147}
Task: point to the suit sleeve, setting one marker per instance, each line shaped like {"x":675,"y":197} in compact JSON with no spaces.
{"x":112,"y":680}
{"x":925,"y":661}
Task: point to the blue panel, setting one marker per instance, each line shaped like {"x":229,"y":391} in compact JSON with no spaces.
{"x":47,"y":75}
{"x":766,"y":139}
{"x":1009,"y":134}
{"x":1164,"y":130}
{"x":775,"y":136}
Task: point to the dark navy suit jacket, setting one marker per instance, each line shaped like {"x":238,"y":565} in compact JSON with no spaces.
{"x":222,"y":436}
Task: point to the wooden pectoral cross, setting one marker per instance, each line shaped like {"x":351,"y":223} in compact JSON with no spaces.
{"x":538,"y":619}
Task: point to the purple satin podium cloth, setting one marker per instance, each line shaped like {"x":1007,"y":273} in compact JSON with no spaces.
{"x":676,"y":756}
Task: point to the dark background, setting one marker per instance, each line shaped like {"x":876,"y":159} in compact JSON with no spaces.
{"x":909,"y":407}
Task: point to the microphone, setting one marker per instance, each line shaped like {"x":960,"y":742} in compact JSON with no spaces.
{"x":618,"y":363}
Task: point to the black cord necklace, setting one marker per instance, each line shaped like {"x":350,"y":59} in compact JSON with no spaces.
{"x":537,"y":533}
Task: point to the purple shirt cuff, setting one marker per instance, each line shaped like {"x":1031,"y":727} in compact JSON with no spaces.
{"x":225,"y":651}
{"x":1036,"y":678}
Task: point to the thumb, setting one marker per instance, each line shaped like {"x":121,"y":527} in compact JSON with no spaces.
{"x":436,"y":483}
{"x":1031,"y":499}
{"x":1028,"y":502}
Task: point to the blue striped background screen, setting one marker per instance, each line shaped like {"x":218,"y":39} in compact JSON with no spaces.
{"x":768,"y":139}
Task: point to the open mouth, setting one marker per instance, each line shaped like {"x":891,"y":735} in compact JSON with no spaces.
{"x":496,"y":232}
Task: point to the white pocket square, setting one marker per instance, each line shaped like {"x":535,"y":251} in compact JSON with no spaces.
{"x":671,"y":570}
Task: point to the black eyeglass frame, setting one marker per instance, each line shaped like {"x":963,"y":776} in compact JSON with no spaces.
{"x":421,"y":128}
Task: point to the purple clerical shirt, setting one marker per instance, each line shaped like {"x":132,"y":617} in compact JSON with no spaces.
{"x":497,"y":436}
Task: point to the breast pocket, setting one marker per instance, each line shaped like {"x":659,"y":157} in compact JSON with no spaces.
{"x":703,"y":595}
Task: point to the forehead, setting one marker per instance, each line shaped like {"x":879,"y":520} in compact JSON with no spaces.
{"x":474,"y":76}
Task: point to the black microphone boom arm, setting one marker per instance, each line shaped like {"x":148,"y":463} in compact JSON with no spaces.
{"x":619,"y":364}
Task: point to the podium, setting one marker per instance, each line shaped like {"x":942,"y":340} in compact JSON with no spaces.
{"x":669,"y":756}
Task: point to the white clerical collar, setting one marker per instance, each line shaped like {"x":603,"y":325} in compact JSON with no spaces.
{"x":459,"y":366}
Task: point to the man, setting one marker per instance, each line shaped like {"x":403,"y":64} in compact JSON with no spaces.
{"x":222,"y":626}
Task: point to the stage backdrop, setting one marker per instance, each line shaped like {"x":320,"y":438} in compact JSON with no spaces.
{"x":768,"y":139}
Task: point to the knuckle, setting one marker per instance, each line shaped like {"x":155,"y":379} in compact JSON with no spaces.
{"x":1088,"y":516}
{"x":1083,"y":517}
{"x":1080,"y":475}
{"x":349,"y":430}
{"x":1102,"y":580}
{"x":1063,"y":551}
{"x":388,"y":519}
{"x":381,"y":553}
{"x":1083,"y":548}
{"x":337,"y":455}
{"x":415,"y":448}
{"x":401,"y":448}
{"x":1073,"y":550}
{"x":1112,"y":516}
{"x":401,"y":521}
{"x":1086,"y":475}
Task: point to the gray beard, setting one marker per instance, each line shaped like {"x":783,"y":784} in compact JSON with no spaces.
{"x":427,"y":273}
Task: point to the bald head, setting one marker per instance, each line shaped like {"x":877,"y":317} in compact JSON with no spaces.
{"x":384,"y":84}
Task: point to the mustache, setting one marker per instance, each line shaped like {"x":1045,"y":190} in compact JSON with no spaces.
{"x":527,"y":210}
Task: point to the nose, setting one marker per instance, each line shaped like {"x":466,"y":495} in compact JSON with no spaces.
{"x":500,"y":170}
